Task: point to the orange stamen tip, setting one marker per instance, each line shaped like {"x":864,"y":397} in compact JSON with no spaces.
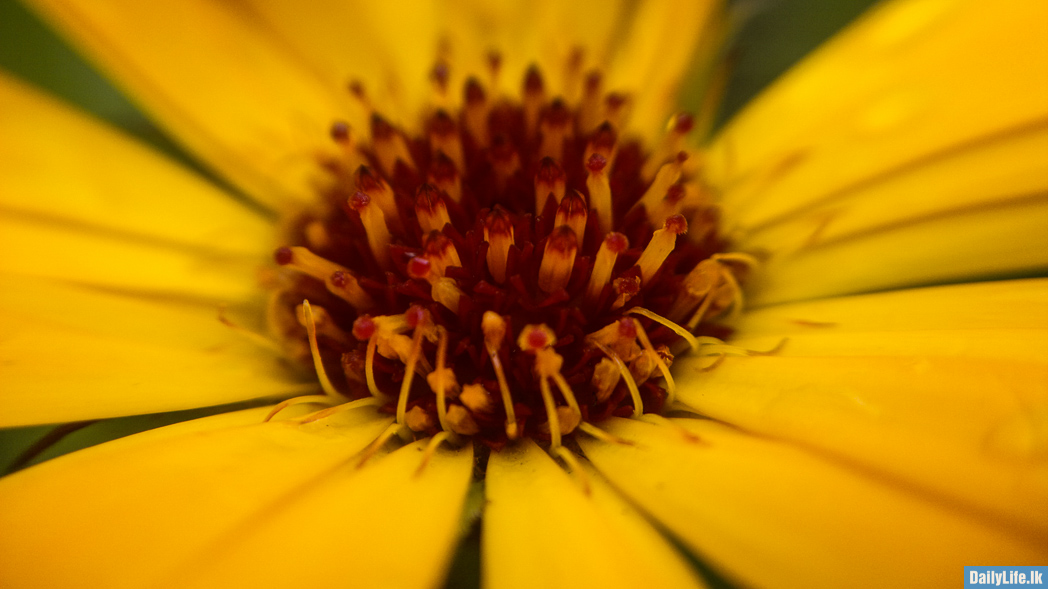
{"x":364,"y":327}
{"x":419,"y":267}
{"x":283,"y":256}
{"x":549,"y":171}
{"x":682,"y":156}
{"x":596,"y":163}
{"x":474,"y":92}
{"x":677,"y":224}
{"x":616,"y":242}
{"x":440,"y":74}
{"x":533,"y":80}
{"x":675,"y":193}
{"x":380,"y":127}
{"x":572,"y":206}
{"x":367,"y":180}
{"x":442,"y":124}
{"x":557,"y":115}
{"x":356,"y":87}
{"x":498,"y":222}
{"x":428,"y":199}
{"x":442,"y":169}
{"x":359,"y":201}
{"x":494,"y":60}
{"x":593,"y":80}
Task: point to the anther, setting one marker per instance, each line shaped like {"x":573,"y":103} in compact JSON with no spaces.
{"x":625,"y":288}
{"x":498,"y":232}
{"x":604,"y":142}
{"x":389,"y":145}
{"x":667,"y":176}
{"x":444,"y":137}
{"x":661,"y":245}
{"x":379,"y":192}
{"x":679,"y":126}
{"x":558,"y":259}
{"x":534,"y":98}
{"x":573,"y":212}
{"x":475,"y":113}
{"x":494,"y":328}
{"x":549,"y":180}
{"x":338,"y":280}
{"x":374,"y":221}
{"x":461,"y":421}
{"x":590,"y":108}
{"x":476,"y":398}
{"x":556,"y":128}
{"x":441,"y":252}
{"x":314,"y":348}
{"x":439,"y":75}
{"x":444,"y":290}
{"x":445,"y":175}
{"x":613,"y":245}
{"x":600,"y":190}
{"x":430,"y":208}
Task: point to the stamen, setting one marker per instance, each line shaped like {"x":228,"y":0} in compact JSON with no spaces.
{"x":625,"y":288}
{"x":340,"y":408}
{"x":338,"y":280}
{"x":498,"y":232}
{"x":461,"y":421}
{"x":374,"y":226}
{"x":430,"y":209}
{"x":661,"y":245}
{"x":671,"y":387}
{"x":380,"y":441}
{"x":693,"y":342}
{"x":444,"y":138}
{"x":600,"y":190}
{"x":444,"y":290}
{"x":494,"y":328}
{"x":534,"y":98}
{"x":679,"y":126}
{"x":638,"y":404}
{"x":441,"y":252}
{"x":572,"y":212}
{"x":667,"y":176}
{"x":613,"y":245}
{"x":409,"y":368}
{"x":549,"y":180}
{"x":551,"y":412}
{"x":605,"y":143}
{"x":605,"y":378}
{"x":365,"y":329}
{"x":431,"y":449}
{"x":475,"y":113}
{"x":324,"y":399}
{"x":438,"y":379}
{"x":389,"y":146}
{"x":590,"y":109}
{"x":379,"y":191}
{"x":602,"y":435}
{"x":576,"y":469}
{"x":323,"y":324}
{"x":444,"y":175}
{"x":476,"y":398}
{"x":418,"y":420}
{"x":558,"y":259}
{"x":556,"y":129}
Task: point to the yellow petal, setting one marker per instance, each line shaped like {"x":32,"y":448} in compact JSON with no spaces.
{"x":218,"y":82}
{"x":59,"y":166}
{"x":772,"y":515}
{"x":944,"y":388}
{"x":132,"y":513}
{"x":910,"y":80}
{"x":70,"y":353}
{"x":380,"y":526}
{"x":925,"y":113}
{"x":542,"y":530}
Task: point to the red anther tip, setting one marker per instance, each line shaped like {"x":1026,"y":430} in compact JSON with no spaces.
{"x":596,"y":163}
{"x":676,"y":224}
{"x":359,"y":201}
{"x":549,"y":171}
{"x":627,"y":328}
{"x":283,"y":256}
{"x":380,"y":127}
{"x":563,"y":239}
{"x":498,"y":222}
{"x":615,"y":100}
{"x":418,"y":267}
{"x":414,"y":315}
{"x":675,"y":193}
{"x":340,"y":131}
{"x":684,"y":123}
{"x":436,"y":243}
{"x":533,"y":80}
{"x":474,"y":91}
{"x":682,"y":157}
{"x":593,"y":80}
{"x":364,"y":327}
{"x":616,"y":242}
{"x":440,"y":74}
{"x":494,"y":60}
{"x":537,"y":339}
{"x":339,"y":279}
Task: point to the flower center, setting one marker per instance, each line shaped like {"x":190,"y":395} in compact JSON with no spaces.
{"x":518,"y":269}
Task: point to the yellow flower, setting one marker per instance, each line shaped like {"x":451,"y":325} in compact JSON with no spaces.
{"x":897,"y":437}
